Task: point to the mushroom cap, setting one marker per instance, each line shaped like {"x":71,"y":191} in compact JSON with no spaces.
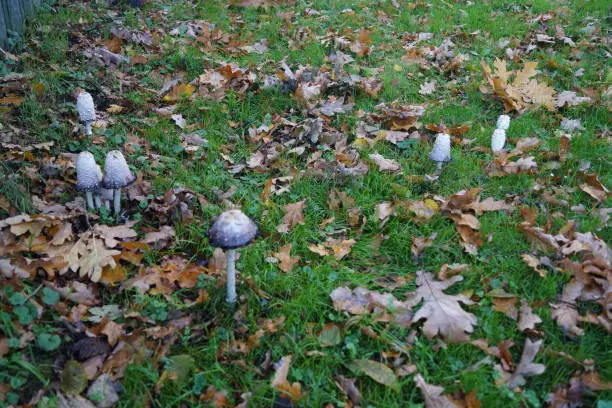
{"x":232,"y":229}
{"x":85,"y":106}
{"x":117,"y":174}
{"x":498,"y":140}
{"x":503,"y":122}
{"x":441,"y":148}
{"x":89,"y":174}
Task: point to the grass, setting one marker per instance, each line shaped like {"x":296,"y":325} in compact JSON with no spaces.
{"x":303,"y":295}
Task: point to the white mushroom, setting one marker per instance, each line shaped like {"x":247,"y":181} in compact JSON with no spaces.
{"x":106,"y":194}
{"x":503,"y":122}
{"x":231,"y":230}
{"x":89,"y":176}
{"x":117,"y":174}
{"x":498,"y":140}
{"x":441,"y":149}
{"x":87,"y":110}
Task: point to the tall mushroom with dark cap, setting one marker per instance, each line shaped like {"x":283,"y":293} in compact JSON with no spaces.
{"x":87,"y":110}
{"x":89,"y":176}
{"x":117,"y":174}
{"x":441,"y":149}
{"x":229,"y":231}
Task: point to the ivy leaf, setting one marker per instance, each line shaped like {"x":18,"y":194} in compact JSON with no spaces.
{"x":49,"y":297}
{"x":49,"y":342}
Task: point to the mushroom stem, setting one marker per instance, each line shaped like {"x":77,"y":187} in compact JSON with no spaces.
{"x":88,"y":128}
{"x":98,"y":201}
{"x":439,"y":165}
{"x":231,"y":276}
{"x":117,"y":201}
{"x":89,"y":198}
{"x":107,"y":204}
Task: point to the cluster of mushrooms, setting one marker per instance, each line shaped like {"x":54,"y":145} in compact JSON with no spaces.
{"x":230,"y":230}
{"x":103,"y":187}
{"x":440,"y":152}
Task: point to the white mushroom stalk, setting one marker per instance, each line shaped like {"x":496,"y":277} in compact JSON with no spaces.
{"x":441,"y":149}
{"x":117,"y":174}
{"x":87,"y":110}
{"x":89,"y":176}
{"x":232,"y":230}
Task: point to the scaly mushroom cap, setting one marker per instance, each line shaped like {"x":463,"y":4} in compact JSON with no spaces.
{"x":85,"y":106}
{"x":117,"y":174}
{"x":498,"y":140}
{"x":441,"y":148}
{"x":89,"y":174}
{"x":232,"y":229}
{"x":106,"y":193}
{"x":503,"y":122}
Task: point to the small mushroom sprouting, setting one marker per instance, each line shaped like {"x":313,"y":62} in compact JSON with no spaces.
{"x":117,"y":174}
{"x":89,"y":176}
{"x":503,"y":122}
{"x":87,"y":110}
{"x":229,"y":231}
{"x":106,"y":195}
{"x":441,"y":149}
{"x":498,"y":140}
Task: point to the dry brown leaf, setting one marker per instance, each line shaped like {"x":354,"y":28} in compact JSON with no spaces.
{"x":432,"y":394}
{"x":594,"y":187}
{"x":362,"y":301}
{"x":527,"y":319}
{"x":526,"y":367}
{"x":287,"y":262}
{"x":534,"y":263}
{"x":294,"y":215}
{"x":517,"y":89}
{"x":442,"y":313}
{"x":386,"y":165}
{"x":280,"y":382}
{"x":347,"y":385}
{"x":420,"y":243}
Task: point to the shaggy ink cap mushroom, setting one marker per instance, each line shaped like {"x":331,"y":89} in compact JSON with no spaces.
{"x":441,"y":148}
{"x":498,"y":140}
{"x":503,"y":122}
{"x":117,"y":174}
{"x":85,"y":106}
{"x":89,"y":174}
{"x":232,"y":229}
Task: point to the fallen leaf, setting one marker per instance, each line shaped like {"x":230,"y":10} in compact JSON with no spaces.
{"x":287,"y":262}
{"x":294,"y":215}
{"x":280,"y":383}
{"x":376,"y":371}
{"x":432,"y":394}
{"x":386,"y":165}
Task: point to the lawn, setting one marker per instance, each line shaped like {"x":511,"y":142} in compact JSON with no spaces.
{"x":378,"y":279}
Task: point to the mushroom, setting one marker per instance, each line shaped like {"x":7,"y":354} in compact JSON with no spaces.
{"x":117,"y":174}
{"x":106,"y":194}
{"x":89,"y":176}
{"x":229,"y":231}
{"x":498,"y":140}
{"x":86,"y":108}
{"x":441,"y":149}
{"x":503,"y":122}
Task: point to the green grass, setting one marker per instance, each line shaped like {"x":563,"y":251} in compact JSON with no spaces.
{"x":302,"y":296}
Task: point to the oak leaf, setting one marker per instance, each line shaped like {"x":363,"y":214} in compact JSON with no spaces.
{"x":442,"y":313}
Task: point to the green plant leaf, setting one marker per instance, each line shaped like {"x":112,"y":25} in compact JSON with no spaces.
{"x":49,"y":297}
{"x":49,"y":342}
